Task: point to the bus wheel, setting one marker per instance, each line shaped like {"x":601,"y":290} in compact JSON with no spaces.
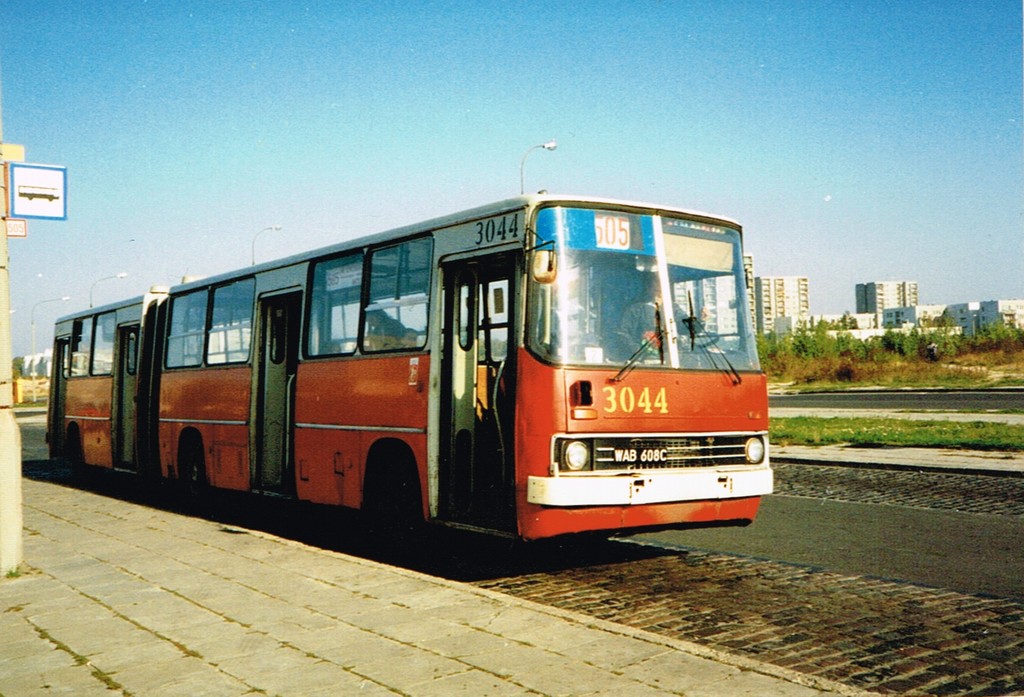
{"x":192,"y":470}
{"x":74,"y":455}
{"x":392,"y":503}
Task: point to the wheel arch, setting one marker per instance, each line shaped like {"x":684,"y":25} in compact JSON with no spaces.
{"x":392,"y":480}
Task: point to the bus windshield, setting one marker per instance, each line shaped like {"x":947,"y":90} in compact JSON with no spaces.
{"x":637,"y":290}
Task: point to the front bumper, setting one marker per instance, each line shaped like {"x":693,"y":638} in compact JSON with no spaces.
{"x":640,"y":487}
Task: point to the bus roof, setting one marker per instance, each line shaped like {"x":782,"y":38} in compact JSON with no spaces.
{"x":139,"y":301}
{"x":99,"y":310}
{"x":468,"y":215}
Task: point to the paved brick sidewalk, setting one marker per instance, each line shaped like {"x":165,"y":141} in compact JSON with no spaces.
{"x":120,"y":599}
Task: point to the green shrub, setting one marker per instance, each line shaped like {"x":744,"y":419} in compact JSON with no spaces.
{"x":935,"y":356}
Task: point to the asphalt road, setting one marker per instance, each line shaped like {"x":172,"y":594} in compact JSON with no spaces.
{"x":966,"y":552}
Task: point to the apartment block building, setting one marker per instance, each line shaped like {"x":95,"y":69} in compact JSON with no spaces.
{"x":748,"y":278}
{"x":780,"y":296}
{"x":877,"y":296}
{"x":912,"y":316}
{"x":974,"y":315}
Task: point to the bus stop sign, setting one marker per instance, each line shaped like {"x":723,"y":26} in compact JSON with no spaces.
{"x":37,"y":191}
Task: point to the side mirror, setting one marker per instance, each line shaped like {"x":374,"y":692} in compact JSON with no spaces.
{"x":545,"y":266}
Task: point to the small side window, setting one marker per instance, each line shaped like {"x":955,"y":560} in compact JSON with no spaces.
{"x":466,"y":311}
{"x":131,"y":352}
{"x":494,"y":319}
{"x":65,"y":358}
{"x":81,"y":347}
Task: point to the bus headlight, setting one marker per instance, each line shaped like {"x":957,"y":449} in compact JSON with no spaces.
{"x":754,"y":450}
{"x":576,"y":456}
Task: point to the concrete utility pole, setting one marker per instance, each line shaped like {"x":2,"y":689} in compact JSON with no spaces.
{"x":11,"y":521}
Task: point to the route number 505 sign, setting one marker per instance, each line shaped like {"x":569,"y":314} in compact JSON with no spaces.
{"x":612,"y":231}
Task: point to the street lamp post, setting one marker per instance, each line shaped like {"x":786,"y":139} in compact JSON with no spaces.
{"x":266,"y":229}
{"x":123,"y":274}
{"x":550,"y":145}
{"x":33,"y":318}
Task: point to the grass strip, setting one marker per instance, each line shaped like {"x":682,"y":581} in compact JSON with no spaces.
{"x":905,"y":433}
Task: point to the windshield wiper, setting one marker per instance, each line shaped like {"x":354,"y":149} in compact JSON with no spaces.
{"x":653,"y":339}
{"x":691,"y":322}
{"x":694,"y":326}
{"x":627,"y":368}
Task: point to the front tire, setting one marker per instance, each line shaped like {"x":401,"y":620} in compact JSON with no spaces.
{"x":392,"y":500}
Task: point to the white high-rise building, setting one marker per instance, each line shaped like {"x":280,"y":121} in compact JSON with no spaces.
{"x":780,"y":296}
{"x":877,"y":296}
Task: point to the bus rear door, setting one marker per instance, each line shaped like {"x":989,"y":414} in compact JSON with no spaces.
{"x":58,"y":391}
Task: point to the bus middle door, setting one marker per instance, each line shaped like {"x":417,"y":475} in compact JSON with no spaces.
{"x":276,"y":365}
{"x":125,"y":408}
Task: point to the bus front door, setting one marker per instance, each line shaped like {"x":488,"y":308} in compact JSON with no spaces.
{"x":277,"y":360}
{"x":478,"y":377}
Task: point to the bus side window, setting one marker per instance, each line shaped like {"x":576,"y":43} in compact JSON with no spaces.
{"x":188,"y":329}
{"x":231,"y":323}
{"x":103,"y":344}
{"x":395,"y":316}
{"x":334,"y":306}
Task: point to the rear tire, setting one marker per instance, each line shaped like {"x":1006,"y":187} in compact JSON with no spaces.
{"x":192,"y":471}
{"x":74,"y":455}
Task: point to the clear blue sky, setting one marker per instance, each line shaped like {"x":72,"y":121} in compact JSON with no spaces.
{"x":855,"y":141}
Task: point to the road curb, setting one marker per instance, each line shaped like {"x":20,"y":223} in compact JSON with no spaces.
{"x":897,"y":467}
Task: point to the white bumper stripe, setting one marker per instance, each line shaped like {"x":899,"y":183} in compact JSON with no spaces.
{"x":641,"y":488}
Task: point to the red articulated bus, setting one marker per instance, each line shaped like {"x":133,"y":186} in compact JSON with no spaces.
{"x":99,"y":374}
{"x":540,"y":366}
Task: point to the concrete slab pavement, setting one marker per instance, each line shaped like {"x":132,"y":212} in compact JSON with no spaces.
{"x":119,"y":599}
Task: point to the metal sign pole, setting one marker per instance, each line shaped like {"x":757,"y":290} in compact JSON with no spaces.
{"x":11,"y":520}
